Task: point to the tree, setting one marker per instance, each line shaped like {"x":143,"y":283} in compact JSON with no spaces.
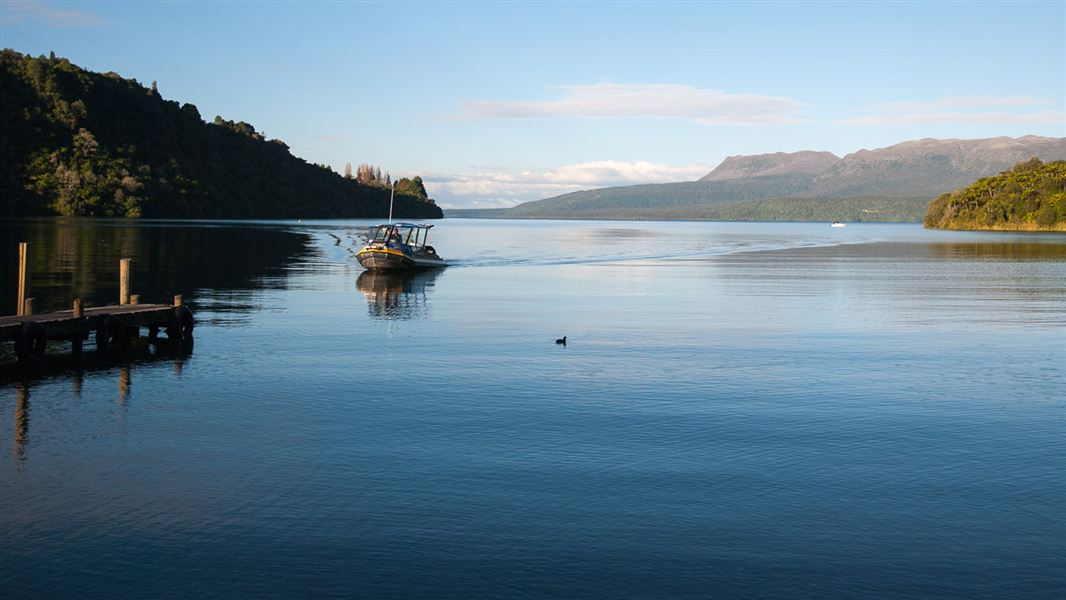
{"x":85,"y":145}
{"x":412,"y":187}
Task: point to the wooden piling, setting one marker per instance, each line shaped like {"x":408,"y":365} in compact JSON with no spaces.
{"x":24,"y":276}
{"x":76,"y":342}
{"x":177,"y":299}
{"x":27,"y":307}
{"x":22,"y":419}
{"x":124,"y":380}
{"x":135,"y":298}
{"x":124,"y":281}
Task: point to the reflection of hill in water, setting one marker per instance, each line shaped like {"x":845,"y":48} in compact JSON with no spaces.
{"x":400,"y":295}
{"x":79,"y":257}
{"x":1020,"y":251}
{"x":1047,"y":249}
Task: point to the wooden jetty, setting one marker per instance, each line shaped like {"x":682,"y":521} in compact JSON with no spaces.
{"x":111,"y":326}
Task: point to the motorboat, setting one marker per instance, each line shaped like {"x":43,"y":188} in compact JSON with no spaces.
{"x":399,"y":247}
{"x":837,"y":224}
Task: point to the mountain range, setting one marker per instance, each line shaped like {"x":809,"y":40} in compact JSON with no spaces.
{"x":885,"y":184}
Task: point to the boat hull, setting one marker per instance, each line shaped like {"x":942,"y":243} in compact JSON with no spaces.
{"x":388,"y":259}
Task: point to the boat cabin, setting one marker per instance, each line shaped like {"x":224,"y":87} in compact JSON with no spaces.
{"x":402,"y":236}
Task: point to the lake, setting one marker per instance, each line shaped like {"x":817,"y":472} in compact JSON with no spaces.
{"x":741,"y":410}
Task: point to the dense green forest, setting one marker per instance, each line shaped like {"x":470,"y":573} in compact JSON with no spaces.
{"x":1030,"y":196}
{"x":74,"y":142}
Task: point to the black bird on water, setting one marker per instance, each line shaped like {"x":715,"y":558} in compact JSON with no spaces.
{"x":561,"y":340}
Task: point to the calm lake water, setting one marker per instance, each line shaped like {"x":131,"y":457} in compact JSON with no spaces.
{"x":742,"y":410}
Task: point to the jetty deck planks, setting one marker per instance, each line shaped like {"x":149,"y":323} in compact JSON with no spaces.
{"x":63,"y":323}
{"x":111,"y":325}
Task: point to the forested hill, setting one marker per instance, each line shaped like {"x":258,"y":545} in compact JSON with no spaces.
{"x":1029,"y":197}
{"x":74,"y":142}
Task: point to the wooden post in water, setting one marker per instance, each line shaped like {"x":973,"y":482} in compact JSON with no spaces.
{"x":24,"y":276}
{"x":22,"y":419}
{"x":124,"y":380}
{"x":27,"y":308}
{"x":75,"y":342}
{"x":135,"y":331}
{"x":124,"y":281}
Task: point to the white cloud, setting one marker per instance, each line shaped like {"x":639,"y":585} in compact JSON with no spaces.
{"x":960,"y":109}
{"x":480,"y":203}
{"x":616,"y":172}
{"x":654,"y":101}
{"x":501,"y":188}
{"x":17,"y":11}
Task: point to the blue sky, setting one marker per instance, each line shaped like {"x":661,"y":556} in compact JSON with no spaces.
{"x":495,"y":103}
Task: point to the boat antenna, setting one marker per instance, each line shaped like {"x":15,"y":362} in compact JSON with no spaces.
{"x":392,"y":195}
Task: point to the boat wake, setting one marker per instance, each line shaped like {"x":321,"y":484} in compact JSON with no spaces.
{"x":685,"y":255}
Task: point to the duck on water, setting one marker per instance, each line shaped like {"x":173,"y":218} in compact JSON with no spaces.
{"x":398,"y":246}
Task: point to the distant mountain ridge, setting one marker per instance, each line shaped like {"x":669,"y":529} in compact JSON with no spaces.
{"x":657,"y":196}
{"x":894,"y":183}
{"x":930,"y":166}
{"x":778,"y":163}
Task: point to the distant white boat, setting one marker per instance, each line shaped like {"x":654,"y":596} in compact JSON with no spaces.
{"x":837,"y":224}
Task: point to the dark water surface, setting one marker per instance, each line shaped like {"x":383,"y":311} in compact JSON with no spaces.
{"x":743,"y":410}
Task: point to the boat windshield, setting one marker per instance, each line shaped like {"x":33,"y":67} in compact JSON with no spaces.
{"x":399,"y":234}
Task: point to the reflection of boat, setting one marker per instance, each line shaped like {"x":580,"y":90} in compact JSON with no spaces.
{"x":837,"y":224}
{"x":399,"y":247}
{"x":396,"y":294}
